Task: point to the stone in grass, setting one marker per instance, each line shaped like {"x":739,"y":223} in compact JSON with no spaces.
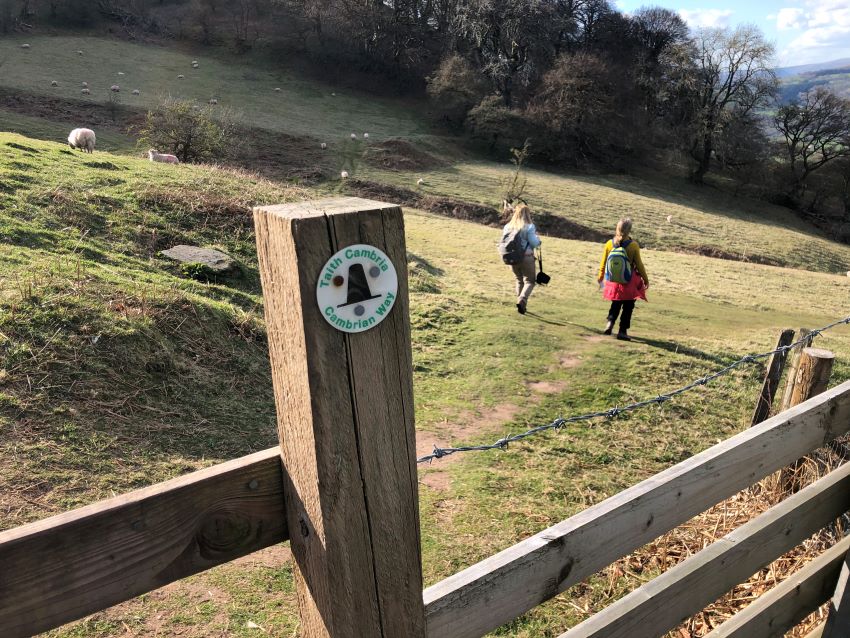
{"x":198,"y":259}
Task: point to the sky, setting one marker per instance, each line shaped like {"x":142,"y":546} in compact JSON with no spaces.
{"x":804,"y":31}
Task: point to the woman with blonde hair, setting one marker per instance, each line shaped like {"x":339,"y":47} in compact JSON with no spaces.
{"x":625,"y":278}
{"x":520,"y":236}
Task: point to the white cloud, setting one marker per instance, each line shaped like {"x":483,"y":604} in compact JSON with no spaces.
{"x":825,"y":35}
{"x":706,"y":17}
{"x":790,"y":18}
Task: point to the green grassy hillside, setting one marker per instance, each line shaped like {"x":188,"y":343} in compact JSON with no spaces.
{"x":116,"y":371}
{"x":302,"y":107}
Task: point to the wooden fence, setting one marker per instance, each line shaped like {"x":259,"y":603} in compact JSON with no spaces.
{"x":342,"y":487}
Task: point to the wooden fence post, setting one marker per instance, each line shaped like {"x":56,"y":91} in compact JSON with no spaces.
{"x":838,"y":618}
{"x":814,"y":368}
{"x":791,"y":378}
{"x":771,"y":378}
{"x":345,"y":416}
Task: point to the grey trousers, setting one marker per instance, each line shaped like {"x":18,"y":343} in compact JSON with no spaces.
{"x":525,"y":274}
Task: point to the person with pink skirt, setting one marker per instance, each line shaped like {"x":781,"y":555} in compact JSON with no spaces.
{"x":624,"y":276}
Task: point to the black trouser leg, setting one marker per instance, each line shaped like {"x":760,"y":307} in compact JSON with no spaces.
{"x":626,"y":319}
{"x":614,"y":312}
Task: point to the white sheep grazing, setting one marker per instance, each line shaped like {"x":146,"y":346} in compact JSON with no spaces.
{"x":136,"y":92}
{"x":180,"y":77}
{"x":213,"y":101}
{"x":848,"y":273}
{"x":85,"y":85}
{"x":120,"y":73}
{"x":365,"y":136}
{"x":194,"y":62}
{"x":115,"y":88}
{"x":277,"y":89}
{"x":79,"y":52}
{"x":25,"y":46}
{"x":54,"y":83}
{"x":420,"y":182}
{"x":324,"y":146}
{"x":82,"y":138}
{"x":669,"y":219}
{"x":165,"y":158}
{"x":354,"y":136}
{"x":344,"y":174}
{"x":86,"y":92}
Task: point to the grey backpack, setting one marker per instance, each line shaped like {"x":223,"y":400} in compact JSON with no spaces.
{"x":512,"y":246}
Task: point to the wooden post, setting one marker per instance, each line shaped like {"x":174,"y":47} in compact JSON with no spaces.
{"x":771,"y":378}
{"x":811,"y":378}
{"x":838,"y":618}
{"x":345,"y":419}
{"x":791,"y":378}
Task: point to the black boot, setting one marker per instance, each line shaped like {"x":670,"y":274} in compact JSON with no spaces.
{"x":622,"y":335}
{"x":608,"y":327}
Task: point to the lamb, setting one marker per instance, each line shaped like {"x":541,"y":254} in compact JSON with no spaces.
{"x":86,"y":92}
{"x":669,"y":219}
{"x":420,"y":182}
{"x":365,"y":136}
{"x":277,"y":89}
{"x":324,"y":146}
{"x":165,"y":158}
{"x":54,"y":83}
{"x":180,"y":77}
{"x":79,"y":52}
{"x":354,"y":136}
{"x":120,"y":73}
{"x":85,"y":85}
{"x":213,"y":101}
{"x":115,"y":88}
{"x":344,"y":174}
{"x":25,"y":46}
{"x":136,"y":92}
{"x":82,"y":138}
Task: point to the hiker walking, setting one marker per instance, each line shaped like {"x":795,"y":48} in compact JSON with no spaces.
{"x":519,"y":239}
{"x":625,"y":278}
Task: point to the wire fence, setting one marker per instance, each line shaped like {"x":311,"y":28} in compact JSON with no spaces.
{"x":614,"y":412}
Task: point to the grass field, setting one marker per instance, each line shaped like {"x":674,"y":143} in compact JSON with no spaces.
{"x":704,"y":219}
{"x":302,"y":107}
{"x":118,"y":371}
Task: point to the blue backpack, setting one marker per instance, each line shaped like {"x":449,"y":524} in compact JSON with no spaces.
{"x":618,"y":268}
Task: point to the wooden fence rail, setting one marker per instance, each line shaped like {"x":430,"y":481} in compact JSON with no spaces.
{"x":506,"y":585}
{"x":74,"y":564}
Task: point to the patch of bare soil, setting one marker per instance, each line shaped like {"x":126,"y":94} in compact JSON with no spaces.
{"x":71,"y":111}
{"x":274,"y":556}
{"x":569,"y":361}
{"x":717,"y":253}
{"x":467,"y":426}
{"x":401,"y":155}
{"x":546,"y":387}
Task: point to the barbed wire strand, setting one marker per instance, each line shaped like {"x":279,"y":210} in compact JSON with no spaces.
{"x":611,"y":413}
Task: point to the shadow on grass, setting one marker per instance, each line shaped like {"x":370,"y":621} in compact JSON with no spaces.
{"x":549,"y":320}
{"x":677,"y":348}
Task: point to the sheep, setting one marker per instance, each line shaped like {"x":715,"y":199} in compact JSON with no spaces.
{"x":194,"y":62}
{"x":82,"y":138}
{"x":180,"y":77}
{"x":165,"y":158}
{"x":669,"y":219}
{"x":136,"y":92}
{"x":365,"y":136}
{"x":324,"y":146}
{"x":344,"y":174}
{"x":213,"y":101}
{"x":354,"y":136}
{"x":86,"y":92}
{"x":277,"y":89}
{"x":54,"y":83}
{"x":79,"y":52}
{"x":120,"y":73}
{"x":420,"y":182}
{"x":848,"y":273}
{"x":115,"y":88}
{"x":85,"y":85}
{"x":25,"y":46}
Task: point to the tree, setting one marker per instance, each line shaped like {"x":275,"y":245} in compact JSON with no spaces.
{"x":816,"y":128}
{"x":733,"y":77}
{"x":189,"y":131}
{"x":454,"y":88}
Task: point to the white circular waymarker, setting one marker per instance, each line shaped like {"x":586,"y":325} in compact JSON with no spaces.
{"x":357,"y":288}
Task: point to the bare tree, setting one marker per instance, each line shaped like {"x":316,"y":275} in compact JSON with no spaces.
{"x":734,"y":77}
{"x":816,"y":128}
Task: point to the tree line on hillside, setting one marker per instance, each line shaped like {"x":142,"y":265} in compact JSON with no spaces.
{"x":587,"y":84}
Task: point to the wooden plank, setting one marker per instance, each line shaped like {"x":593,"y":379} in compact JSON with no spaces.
{"x":838,"y":621}
{"x":774,"y":613}
{"x":658,"y":606}
{"x":345,"y":419}
{"x":506,"y":585}
{"x":775,"y":365}
{"x":74,"y":564}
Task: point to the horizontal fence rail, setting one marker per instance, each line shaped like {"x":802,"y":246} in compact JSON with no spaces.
{"x":68,"y":566}
{"x":682,"y":591}
{"x":508,"y":584}
{"x":786,"y":605}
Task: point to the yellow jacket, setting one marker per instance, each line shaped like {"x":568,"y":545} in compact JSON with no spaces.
{"x":632,"y":250}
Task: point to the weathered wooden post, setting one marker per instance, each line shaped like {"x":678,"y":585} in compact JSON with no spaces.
{"x":791,"y":379}
{"x":838,"y":617}
{"x":811,"y":378}
{"x":771,"y":378}
{"x":339,"y":343}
